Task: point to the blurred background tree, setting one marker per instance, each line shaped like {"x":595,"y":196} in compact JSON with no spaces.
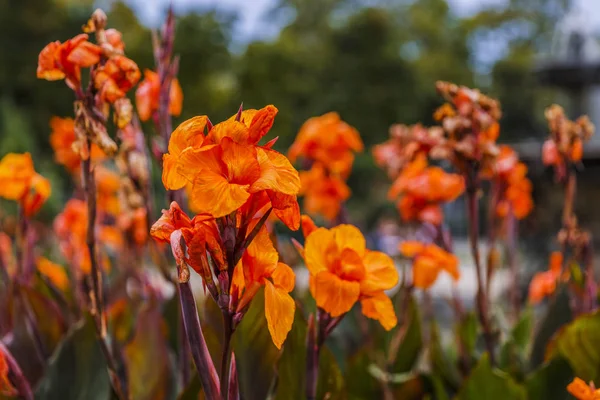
{"x":373,"y":61}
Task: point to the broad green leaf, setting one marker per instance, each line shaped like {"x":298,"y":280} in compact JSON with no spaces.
{"x":147,"y":358}
{"x":440,"y":363}
{"x":255,"y":353}
{"x":412,"y":342}
{"x":361,"y":384}
{"x":579,"y":344}
{"x":291,"y":368}
{"x":488,"y":383}
{"x":549,"y":382}
{"x":514,"y":351}
{"x":77,"y":369}
{"x":557,"y":315}
{"x":521,"y":332}
{"x":467,"y":331}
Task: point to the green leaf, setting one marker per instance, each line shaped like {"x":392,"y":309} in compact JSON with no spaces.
{"x":557,"y":315}
{"x":490,"y":384}
{"x":77,"y":369}
{"x":467,"y":331}
{"x":513,"y":354}
{"x":255,"y":353}
{"x":579,"y":344}
{"x":193,"y":391}
{"x":549,"y":382}
{"x":438,"y":358}
{"x":521,"y":332}
{"x":147,"y":359}
{"x":412,"y":342}
{"x":291,"y":368}
{"x":361,"y":384}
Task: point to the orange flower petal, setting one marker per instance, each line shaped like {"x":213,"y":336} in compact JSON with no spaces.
{"x":286,"y":208}
{"x":261,"y":123}
{"x":213,"y":194}
{"x":381,"y":273}
{"x":348,"y":236}
{"x":380,"y":308}
{"x":175,"y":98}
{"x":276,"y":173}
{"x":54,"y":272}
{"x":232,"y":129}
{"x":581,"y":390}
{"x":308,"y":226}
{"x":279,"y":311}
{"x":411,"y":248}
{"x":284,"y":277}
{"x":332,"y":294}
{"x":318,"y":245}
{"x":425,"y":272}
{"x":241,"y":161}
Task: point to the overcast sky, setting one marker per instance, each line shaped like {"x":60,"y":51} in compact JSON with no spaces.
{"x":251,"y":12}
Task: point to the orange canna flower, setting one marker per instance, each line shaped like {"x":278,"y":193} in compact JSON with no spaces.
{"x":20,"y":182}
{"x":6,"y":386}
{"x":422,"y":189}
{"x":323,"y":193}
{"x":7,"y":258}
{"x":148,"y":93}
{"x":226,"y":169}
{"x":70,"y":227}
{"x":62,"y":139}
{"x":116,"y":77}
{"x":260,"y":266}
{"x":406,"y":143}
{"x":343,"y":271}
{"x":543,"y":284}
{"x":199,"y":233}
{"x":108,"y":183}
{"x":328,"y":140}
{"x":65,"y":60}
{"x":582,"y":391}
{"x":515,"y":189}
{"x":428,"y":261}
{"x":54,"y":272}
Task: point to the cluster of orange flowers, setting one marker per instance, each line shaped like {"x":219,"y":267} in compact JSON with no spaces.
{"x":423,"y":189}
{"x":233,"y":183}
{"x":112,"y":76}
{"x":328,"y":145}
{"x":565,"y":144}
{"x":19,"y":182}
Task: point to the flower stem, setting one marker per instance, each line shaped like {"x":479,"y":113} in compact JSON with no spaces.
{"x":481,"y":299}
{"x":204,"y":365}
{"x":312,"y":358}
{"x":226,"y":353}
{"x":96,"y":294}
